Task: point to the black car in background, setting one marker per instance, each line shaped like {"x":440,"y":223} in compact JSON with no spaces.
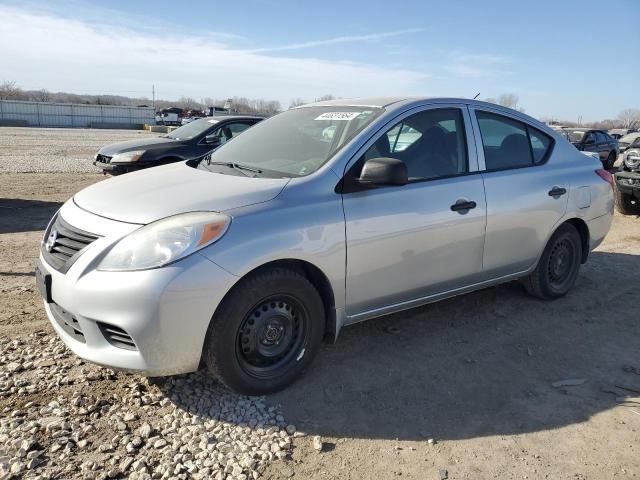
{"x":189,"y":141}
{"x":597,"y":141}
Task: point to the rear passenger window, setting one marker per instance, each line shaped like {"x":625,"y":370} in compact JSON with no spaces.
{"x":509,"y":143}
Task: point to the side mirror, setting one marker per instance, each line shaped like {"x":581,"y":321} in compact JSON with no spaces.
{"x":212,"y":140}
{"x":384,"y":171}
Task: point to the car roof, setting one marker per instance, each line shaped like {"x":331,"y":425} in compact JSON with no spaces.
{"x":393,"y":103}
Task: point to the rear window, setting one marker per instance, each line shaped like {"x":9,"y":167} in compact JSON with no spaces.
{"x":509,"y":143}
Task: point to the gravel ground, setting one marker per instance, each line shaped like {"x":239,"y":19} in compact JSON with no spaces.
{"x":493,"y":384}
{"x":29,"y":150}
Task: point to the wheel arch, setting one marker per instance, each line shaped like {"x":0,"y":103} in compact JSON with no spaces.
{"x":583,"y":230}
{"x":317,"y":278}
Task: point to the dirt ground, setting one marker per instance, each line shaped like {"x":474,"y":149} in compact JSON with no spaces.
{"x":473,"y":373}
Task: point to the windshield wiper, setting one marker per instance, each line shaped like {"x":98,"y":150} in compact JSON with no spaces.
{"x":238,"y":166}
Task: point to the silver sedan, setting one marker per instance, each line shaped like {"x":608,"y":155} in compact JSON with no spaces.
{"x":247,"y":259}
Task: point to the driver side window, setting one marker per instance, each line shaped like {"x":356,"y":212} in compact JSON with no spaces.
{"x":431,"y":143}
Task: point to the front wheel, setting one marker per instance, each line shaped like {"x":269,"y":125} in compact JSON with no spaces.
{"x":610,"y":161}
{"x":558,"y":266}
{"x":266,"y":332}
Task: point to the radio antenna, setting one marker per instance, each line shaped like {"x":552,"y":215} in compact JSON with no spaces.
{"x":477,"y":95}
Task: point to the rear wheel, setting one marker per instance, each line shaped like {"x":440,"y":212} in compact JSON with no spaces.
{"x":265,"y":332}
{"x":626,"y":204}
{"x":558,"y":266}
{"x":611,"y":159}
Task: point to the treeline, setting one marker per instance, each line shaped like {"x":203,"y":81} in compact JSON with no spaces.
{"x":9,"y":90}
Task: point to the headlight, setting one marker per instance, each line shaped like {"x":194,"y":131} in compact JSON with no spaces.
{"x":632,"y":159}
{"x":127,"y":157}
{"x":165,"y":241}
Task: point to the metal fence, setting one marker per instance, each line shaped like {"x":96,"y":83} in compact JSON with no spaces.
{"x":38,"y":114}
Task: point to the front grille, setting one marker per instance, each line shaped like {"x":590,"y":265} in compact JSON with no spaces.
{"x":68,"y":322}
{"x":116,"y":336}
{"x":103,"y":158}
{"x":63,"y":244}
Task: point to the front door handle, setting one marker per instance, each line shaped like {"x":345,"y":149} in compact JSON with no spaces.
{"x":463,"y":206}
{"x":557,"y":192}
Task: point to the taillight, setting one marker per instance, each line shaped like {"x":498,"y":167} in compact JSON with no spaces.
{"x":606,"y":176}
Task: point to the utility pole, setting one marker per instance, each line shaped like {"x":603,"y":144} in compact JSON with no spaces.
{"x":153,"y":97}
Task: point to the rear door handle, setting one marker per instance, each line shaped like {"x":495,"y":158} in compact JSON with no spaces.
{"x":463,"y":205}
{"x":557,"y":192}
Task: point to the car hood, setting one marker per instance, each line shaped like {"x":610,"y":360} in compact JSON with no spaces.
{"x":148,"y":195}
{"x":138,"y":144}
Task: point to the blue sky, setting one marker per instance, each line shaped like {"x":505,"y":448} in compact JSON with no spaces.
{"x":566,"y":59}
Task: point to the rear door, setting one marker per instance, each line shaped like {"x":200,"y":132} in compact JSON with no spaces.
{"x":408,"y":242}
{"x":526,"y":193}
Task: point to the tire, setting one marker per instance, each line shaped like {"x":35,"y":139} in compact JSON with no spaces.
{"x":625,"y":203}
{"x":265,"y":332}
{"x":558,"y":266}
{"x":611,"y":160}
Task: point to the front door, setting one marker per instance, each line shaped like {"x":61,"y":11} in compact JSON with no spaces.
{"x":409,"y":242}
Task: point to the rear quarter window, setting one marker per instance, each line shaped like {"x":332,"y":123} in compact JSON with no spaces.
{"x":540,"y":145}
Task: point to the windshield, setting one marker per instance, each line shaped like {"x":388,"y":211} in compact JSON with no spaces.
{"x":294,"y":143}
{"x":192,"y":129}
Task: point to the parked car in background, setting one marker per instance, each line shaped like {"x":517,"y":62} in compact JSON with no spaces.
{"x":618,"y":133}
{"x":169,"y":116}
{"x":239,"y":261}
{"x":191,"y":115}
{"x":628,"y":181}
{"x":597,"y":141}
{"x":189,"y":141}
{"x":628,"y":141}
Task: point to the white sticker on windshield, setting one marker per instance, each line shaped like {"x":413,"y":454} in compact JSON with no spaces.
{"x":337,"y":116}
{"x":214,"y":121}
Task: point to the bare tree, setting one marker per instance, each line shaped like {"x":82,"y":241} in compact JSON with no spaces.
{"x":272,"y":107}
{"x":509,"y":100}
{"x":189,"y":103}
{"x":326,"y":97}
{"x":630,"y":118}
{"x":296,"y":102}
{"x":9,"y":90}
{"x":41,"y":96}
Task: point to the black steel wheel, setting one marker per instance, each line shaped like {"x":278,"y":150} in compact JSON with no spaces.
{"x":561,"y":263}
{"x":558,"y":266}
{"x":271,"y":335}
{"x":266,"y":331}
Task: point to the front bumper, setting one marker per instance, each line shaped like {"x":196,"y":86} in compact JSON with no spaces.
{"x":165,"y":312}
{"x":121,"y":167}
{"x":628,"y":183}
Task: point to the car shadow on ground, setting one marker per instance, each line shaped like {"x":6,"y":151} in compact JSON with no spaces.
{"x":20,"y":215}
{"x":476,"y":365}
